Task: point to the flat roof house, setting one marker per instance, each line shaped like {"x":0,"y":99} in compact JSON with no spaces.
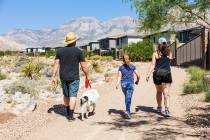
{"x":34,"y":50}
{"x":85,"y":47}
{"x":128,"y":39}
{"x":108,"y":43}
{"x":182,"y":35}
{"x":94,"y":45}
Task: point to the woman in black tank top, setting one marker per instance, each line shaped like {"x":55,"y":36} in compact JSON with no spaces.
{"x":162,"y":78}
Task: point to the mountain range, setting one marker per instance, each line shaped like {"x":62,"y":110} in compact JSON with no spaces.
{"x":87,"y":28}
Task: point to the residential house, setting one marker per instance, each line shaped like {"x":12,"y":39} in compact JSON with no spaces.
{"x":85,"y":47}
{"x":94,"y":45}
{"x":128,"y":39}
{"x":40,"y":50}
{"x":182,"y":35}
{"x":108,"y":43}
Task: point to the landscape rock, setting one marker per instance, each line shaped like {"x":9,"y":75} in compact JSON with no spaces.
{"x":27,"y":106}
{"x":2,"y":107}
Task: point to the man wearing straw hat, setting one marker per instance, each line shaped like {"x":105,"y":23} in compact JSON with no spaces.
{"x":69,"y":58}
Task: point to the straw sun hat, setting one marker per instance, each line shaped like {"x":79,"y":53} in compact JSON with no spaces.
{"x":71,"y":38}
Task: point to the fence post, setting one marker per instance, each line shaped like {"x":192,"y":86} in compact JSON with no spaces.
{"x":204,"y":41}
{"x":175,"y":53}
{"x":208,"y":51}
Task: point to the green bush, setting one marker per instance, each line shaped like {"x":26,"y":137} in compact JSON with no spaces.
{"x":50,"y":53}
{"x":31,"y":70}
{"x":197,"y":83}
{"x":107,"y":57}
{"x":196,"y":73}
{"x":207,"y":94}
{"x":141,"y":51}
{"x":86,"y":53}
{"x":95,"y":57}
{"x":193,"y":88}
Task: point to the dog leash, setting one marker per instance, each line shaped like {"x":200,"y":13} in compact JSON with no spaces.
{"x":87,"y":84}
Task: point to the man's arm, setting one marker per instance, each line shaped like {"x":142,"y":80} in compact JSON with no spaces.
{"x":85,"y":69}
{"x":54,"y":71}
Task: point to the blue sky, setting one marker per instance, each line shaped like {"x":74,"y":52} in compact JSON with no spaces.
{"x":36,"y":14}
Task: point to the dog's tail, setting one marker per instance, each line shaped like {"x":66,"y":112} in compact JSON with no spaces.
{"x":83,"y":100}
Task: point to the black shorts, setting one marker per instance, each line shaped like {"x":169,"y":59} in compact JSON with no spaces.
{"x":159,"y":79}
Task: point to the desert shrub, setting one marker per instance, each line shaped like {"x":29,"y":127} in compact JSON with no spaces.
{"x":95,"y":57}
{"x":30,"y":54}
{"x":23,"y":85}
{"x":141,"y":51}
{"x":7,"y":53}
{"x":22,"y":61}
{"x":3,"y":76}
{"x":31,"y":70}
{"x":96,"y":67}
{"x":1,"y":53}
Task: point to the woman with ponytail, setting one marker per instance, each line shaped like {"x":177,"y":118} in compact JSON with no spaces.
{"x":162,"y":78}
{"x":125,"y":76}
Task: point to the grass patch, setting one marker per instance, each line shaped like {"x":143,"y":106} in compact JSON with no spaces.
{"x":207,"y":96}
{"x":197,"y":83}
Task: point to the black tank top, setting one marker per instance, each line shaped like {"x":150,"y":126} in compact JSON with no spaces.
{"x":163,"y":63}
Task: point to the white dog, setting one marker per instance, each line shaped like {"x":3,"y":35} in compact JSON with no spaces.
{"x":87,"y":100}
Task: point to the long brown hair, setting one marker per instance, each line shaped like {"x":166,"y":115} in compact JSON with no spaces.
{"x":163,"y":49}
{"x":126,"y":59}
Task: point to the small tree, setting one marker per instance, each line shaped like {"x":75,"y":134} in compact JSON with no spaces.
{"x":141,"y":51}
{"x":154,"y":14}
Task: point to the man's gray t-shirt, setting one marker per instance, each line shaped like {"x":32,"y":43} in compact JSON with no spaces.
{"x":69,"y":58}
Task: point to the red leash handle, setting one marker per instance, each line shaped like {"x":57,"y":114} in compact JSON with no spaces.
{"x":87,"y":84}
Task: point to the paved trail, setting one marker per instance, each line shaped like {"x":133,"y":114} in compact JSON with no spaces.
{"x":107,"y":123}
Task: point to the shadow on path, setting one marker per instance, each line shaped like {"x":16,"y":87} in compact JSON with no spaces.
{"x":148,"y":110}
{"x":58,"y":109}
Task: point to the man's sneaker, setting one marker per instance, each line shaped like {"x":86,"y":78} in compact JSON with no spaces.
{"x":159,"y":109}
{"x":167,"y":113}
{"x":70,"y":118}
{"x":127,"y":115}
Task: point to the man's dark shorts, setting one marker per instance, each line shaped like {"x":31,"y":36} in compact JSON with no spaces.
{"x":70,"y":88}
{"x":159,"y":79}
